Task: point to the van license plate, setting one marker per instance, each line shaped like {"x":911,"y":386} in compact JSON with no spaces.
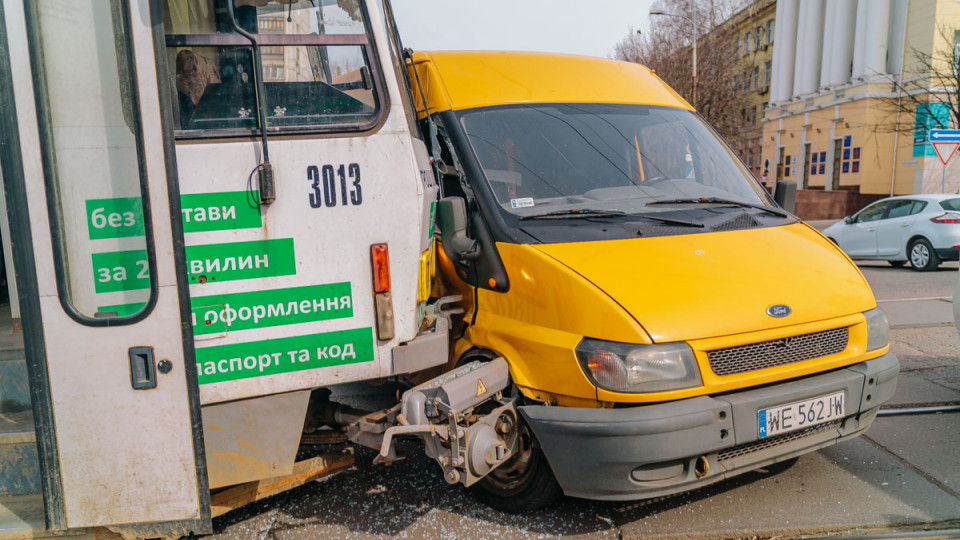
{"x":800,"y":414}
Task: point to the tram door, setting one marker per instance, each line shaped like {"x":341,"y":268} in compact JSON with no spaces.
{"x":99,"y":267}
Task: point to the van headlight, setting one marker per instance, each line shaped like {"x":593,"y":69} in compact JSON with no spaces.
{"x":626,"y":367}
{"x":878,"y":329}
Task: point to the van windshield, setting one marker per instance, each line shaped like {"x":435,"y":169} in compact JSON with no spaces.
{"x":578,"y":158}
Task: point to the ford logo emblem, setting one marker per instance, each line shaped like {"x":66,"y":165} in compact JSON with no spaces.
{"x":779,"y":310}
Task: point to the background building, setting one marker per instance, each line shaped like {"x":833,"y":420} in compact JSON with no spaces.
{"x":855,"y":86}
{"x":752,"y":73}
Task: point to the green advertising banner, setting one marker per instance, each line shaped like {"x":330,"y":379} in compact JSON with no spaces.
{"x":121,"y":271}
{"x":114,"y":218}
{"x":258,"y":309}
{"x":240,"y":260}
{"x":273,"y":356}
{"x":928,"y":116}
{"x":220,"y":211}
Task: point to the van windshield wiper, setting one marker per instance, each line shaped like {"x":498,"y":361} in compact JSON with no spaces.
{"x":718,"y":200}
{"x":672,"y":221}
{"x":573,"y":213}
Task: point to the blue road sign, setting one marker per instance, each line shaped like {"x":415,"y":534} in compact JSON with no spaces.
{"x":944,"y":135}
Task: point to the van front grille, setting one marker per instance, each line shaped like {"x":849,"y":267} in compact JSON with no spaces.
{"x":777,"y":352}
{"x":763,"y":444}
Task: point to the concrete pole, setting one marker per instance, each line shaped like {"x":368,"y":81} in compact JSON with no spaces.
{"x":813,"y":46}
{"x":800,"y":47}
{"x":898,"y":32}
{"x":860,"y":38}
{"x":826,"y":61}
{"x":878,"y":22}
{"x":777,"y":65}
{"x":844,"y":33}
{"x":785,"y":45}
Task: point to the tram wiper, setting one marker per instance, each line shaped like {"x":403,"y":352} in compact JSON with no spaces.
{"x":727,"y":202}
{"x":573,"y":213}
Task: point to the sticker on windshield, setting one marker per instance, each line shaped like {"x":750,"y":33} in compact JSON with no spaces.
{"x":522,"y":202}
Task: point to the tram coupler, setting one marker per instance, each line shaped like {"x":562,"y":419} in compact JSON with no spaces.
{"x":466,"y":423}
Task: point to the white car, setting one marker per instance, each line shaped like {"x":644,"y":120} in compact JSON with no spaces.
{"x":921,"y":229}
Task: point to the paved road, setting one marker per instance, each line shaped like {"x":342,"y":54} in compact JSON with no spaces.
{"x":902,"y":477}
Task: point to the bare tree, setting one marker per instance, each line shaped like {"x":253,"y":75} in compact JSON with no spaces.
{"x":928,"y":91}
{"x":667,"y":45}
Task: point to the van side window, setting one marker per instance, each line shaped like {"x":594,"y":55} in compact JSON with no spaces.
{"x":450,"y":177}
{"x":317,"y":57}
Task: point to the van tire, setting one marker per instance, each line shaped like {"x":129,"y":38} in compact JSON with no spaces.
{"x":523,"y":483}
{"x":923,"y":258}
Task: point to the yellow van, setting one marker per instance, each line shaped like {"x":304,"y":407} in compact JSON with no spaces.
{"x":666,"y":324}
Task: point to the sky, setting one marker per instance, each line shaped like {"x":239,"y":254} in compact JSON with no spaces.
{"x":588,"y":27}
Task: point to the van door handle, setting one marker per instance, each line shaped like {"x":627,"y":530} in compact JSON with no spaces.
{"x":871,"y":229}
{"x":143,"y":371}
{"x":904,"y":225}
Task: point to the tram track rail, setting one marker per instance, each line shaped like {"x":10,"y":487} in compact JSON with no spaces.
{"x":912,"y":410}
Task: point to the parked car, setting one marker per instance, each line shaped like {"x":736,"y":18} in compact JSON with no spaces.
{"x":921,"y":229}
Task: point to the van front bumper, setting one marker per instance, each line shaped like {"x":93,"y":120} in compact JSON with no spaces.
{"x":650,"y":451}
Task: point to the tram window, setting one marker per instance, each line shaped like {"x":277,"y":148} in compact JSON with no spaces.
{"x":315,"y":54}
{"x":92,"y":149}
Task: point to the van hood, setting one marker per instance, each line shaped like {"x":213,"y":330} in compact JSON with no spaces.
{"x":716,"y":284}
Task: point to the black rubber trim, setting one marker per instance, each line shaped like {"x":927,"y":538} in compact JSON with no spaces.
{"x":21,"y":238}
{"x":204,"y":525}
{"x":48,"y":157}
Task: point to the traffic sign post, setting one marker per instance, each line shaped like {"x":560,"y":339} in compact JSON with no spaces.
{"x":945,"y":143}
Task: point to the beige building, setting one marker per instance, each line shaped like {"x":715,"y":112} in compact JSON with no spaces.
{"x":840,"y":67}
{"x":752,"y":74}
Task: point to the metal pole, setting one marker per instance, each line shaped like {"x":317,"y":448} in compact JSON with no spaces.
{"x":943,"y":179}
{"x":694,"y":56}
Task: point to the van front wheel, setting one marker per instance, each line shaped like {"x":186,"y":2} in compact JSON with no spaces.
{"x":522,"y":484}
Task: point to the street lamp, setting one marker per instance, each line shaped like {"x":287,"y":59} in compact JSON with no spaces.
{"x":693,"y":20}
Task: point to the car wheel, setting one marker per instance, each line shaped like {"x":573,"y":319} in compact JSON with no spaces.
{"x":523,"y":483}
{"x":897,"y":264}
{"x":922,"y":256}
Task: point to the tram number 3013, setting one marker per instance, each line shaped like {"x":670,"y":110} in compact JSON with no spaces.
{"x":332,"y":186}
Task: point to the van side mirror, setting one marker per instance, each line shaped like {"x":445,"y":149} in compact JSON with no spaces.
{"x":452,"y":220}
{"x":475,"y":258}
{"x":848,"y":220}
{"x":786,"y":195}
